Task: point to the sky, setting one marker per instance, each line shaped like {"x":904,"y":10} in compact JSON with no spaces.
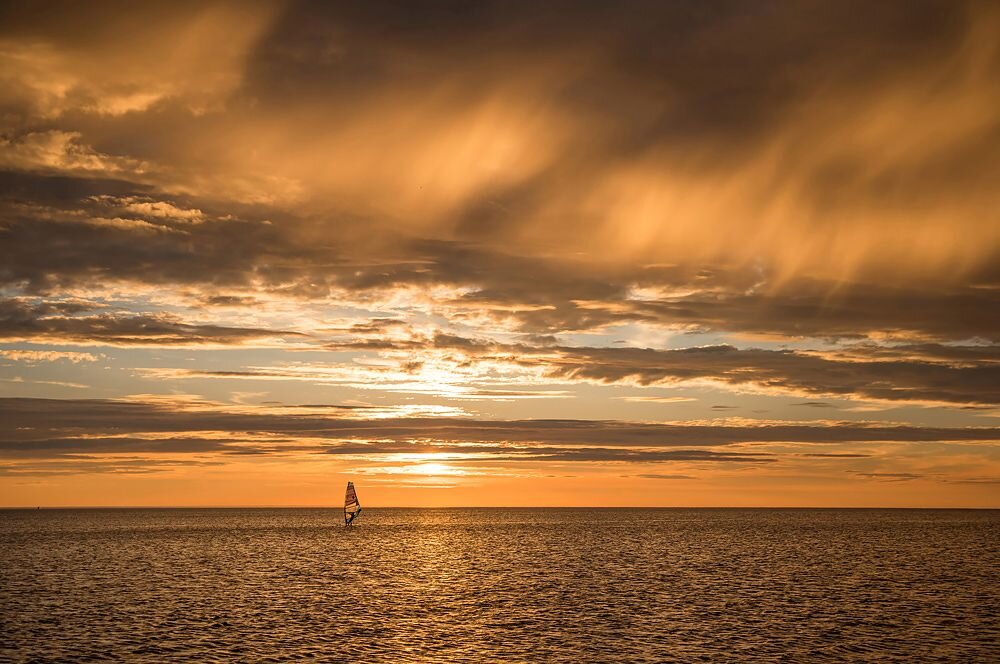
{"x":500,"y":253}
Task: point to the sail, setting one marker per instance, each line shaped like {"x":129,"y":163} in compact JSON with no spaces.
{"x":352,"y":508}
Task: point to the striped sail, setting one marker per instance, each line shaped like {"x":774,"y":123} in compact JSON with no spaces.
{"x":352,"y":508}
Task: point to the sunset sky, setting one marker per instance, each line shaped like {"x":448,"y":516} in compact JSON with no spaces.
{"x":500,"y":253}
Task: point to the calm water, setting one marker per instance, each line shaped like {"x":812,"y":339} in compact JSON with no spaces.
{"x":500,"y":584}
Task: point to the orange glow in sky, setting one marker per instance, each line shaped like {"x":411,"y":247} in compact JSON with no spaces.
{"x":702,"y":259}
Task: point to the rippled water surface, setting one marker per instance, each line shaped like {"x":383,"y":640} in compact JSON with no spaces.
{"x":500,"y":584}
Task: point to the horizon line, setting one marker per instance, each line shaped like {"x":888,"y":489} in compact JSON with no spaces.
{"x":495,"y":507}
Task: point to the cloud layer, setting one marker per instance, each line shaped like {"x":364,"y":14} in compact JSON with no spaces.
{"x":484,"y":208}
{"x":32,"y":425}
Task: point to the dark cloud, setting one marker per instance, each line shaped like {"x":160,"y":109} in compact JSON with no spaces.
{"x":230,"y":301}
{"x":40,"y":437}
{"x":45,"y":447}
{"x":729,"y":69}
{"x":77,"y":464}
{"x":800,"y":308}
{"x":52,"y":249}
{"x":954,"y":355}
{"x":912,"y":372}
{"x":377,"y":325}
{"x":56,"y":245}
{"x":521,"y":452}
{"x":44,"y":321}
{"x":524,"y":139}
{"x":811,"y":309}
{"x":787,"y":371}
{"x":26,"y":422}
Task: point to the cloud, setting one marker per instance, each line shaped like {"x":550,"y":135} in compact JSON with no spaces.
{"x":148,"y":207}
{"x":86,"y":464}
{"x":927,"y":373}
{"x":59,"y":152}
{"x":106,"y":61}
{"x":800,"y":148}
{"x":890,"y":477}
{"x":808,"y":308}
{"x":49,"y":356}
{"x":229,"y":301}
{"x":554,"y":453}
{"x":57,"y":383}
{"x":40,"y":437}
{"x":799,"y":175}
{"x":97,"y":244}
{"x":656,"y":399}
{"x":27,"y":420}
{"x":22,"y":320}
{"x":656,"y":476}
{"x":787,"y":371}
{"x":977,"y":480}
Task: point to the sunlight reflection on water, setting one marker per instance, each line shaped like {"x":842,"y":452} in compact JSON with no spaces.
{"x":500,"y":584}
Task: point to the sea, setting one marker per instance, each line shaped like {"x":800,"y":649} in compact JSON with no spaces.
{"x":500,"y":585}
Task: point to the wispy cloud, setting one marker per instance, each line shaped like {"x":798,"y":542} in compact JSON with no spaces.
{"x":49,"y":356}
{"x":22,"y":320}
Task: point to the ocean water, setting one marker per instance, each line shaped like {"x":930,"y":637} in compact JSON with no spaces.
{"x":500,"y":585}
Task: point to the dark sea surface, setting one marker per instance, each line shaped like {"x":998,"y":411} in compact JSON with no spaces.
{"x":500,"y":585}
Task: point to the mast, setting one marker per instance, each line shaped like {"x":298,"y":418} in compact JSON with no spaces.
{"x":352,"y":508}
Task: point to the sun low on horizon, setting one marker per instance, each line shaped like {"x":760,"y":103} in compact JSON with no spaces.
{"x":500,"y":254}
